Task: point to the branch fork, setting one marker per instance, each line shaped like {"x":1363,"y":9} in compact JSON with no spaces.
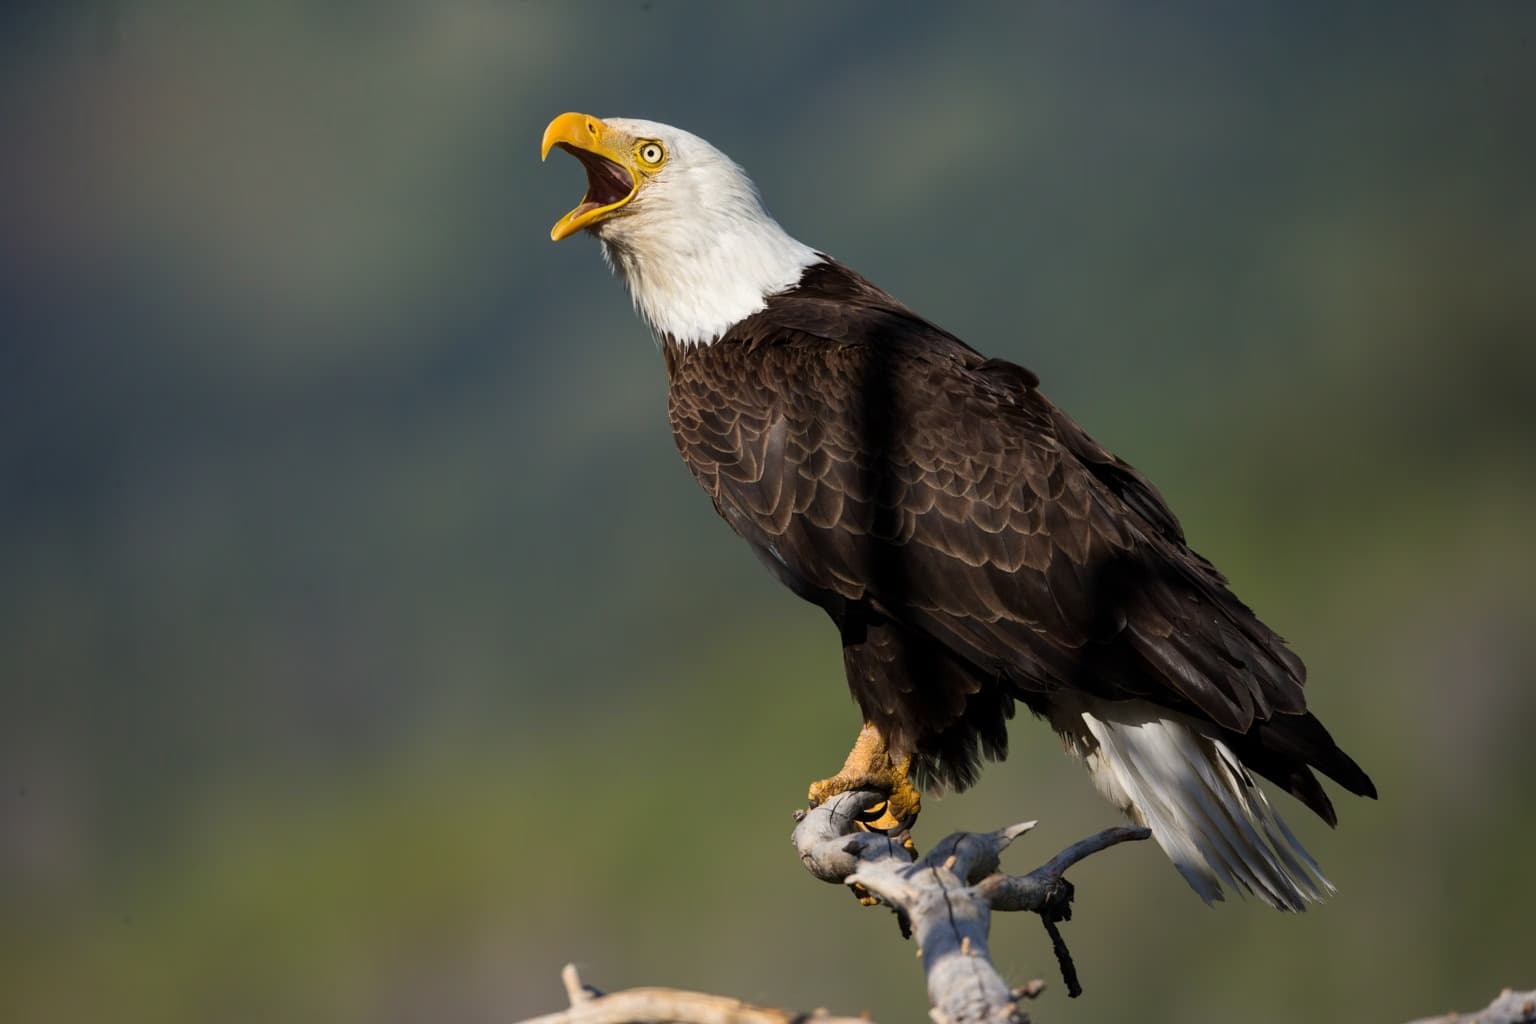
{"x":944,"y":899}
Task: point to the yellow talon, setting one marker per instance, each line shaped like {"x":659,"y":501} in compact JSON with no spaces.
{"x":870,"y":766}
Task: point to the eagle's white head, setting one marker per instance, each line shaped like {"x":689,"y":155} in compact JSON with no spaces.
{"x":679,"y":221}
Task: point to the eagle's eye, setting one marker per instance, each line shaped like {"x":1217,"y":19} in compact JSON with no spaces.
{"x":651,"y":154}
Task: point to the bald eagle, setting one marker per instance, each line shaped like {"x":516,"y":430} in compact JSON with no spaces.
{"x":973,"y":545}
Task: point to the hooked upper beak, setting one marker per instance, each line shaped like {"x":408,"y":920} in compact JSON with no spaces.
{"x":612,"y":176}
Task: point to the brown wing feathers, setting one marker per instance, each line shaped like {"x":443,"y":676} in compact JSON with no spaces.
{"x":972,"y":542}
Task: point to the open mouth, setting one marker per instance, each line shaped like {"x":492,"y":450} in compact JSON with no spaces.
{"x":612,"y":179}
{"x":607,"y":183}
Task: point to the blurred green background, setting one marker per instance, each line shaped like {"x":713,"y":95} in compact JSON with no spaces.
{"x":366,"y":653}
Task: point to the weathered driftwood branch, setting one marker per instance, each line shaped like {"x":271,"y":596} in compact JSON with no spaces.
{"x":675,"y":1006}
{"x":1509,"y":1008}
{"x":669,"y":1006}
{"x":945,"y":899}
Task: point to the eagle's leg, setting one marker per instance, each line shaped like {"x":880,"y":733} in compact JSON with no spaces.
{"x":871,"y":766}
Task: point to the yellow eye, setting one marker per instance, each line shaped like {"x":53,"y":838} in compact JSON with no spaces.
{"x":651,"y":153}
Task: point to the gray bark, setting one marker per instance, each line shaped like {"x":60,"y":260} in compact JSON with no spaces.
{"x":945,"y":899}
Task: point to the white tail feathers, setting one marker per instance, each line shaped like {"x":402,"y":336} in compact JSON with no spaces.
{"x":1204,"y":809}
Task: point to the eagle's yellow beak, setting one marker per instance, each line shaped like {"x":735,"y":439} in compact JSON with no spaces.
{"x":613,"y":176}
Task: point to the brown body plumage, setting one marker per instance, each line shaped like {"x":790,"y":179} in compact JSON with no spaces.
{"x":973,"y":545}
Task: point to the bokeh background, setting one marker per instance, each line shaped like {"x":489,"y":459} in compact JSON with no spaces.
{"x":366,"y":653}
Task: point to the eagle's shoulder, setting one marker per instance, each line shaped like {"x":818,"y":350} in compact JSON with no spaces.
{"x":834,"y":305}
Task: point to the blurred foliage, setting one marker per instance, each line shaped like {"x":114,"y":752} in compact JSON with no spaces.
{"x":367,"y":654}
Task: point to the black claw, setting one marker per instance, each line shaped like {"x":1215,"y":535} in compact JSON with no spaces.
{"x":875,"y":813}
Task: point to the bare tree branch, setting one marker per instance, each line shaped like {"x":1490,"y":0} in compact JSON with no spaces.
{"x":945,"y":899}
{"x":1509,"y":1008}
{"x":669,"y":1006}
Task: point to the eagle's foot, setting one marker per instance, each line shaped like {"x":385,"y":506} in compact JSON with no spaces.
{"x":871,"y":767}
{"x":896,"y":813}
